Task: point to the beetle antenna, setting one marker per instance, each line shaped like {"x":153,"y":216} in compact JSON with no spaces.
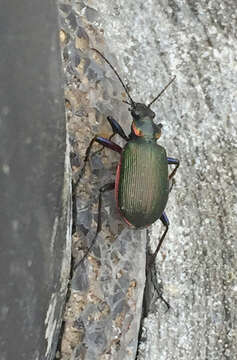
{"x":126,"y":102}
{"x":124,"y":86}
{"x":157,"y":97}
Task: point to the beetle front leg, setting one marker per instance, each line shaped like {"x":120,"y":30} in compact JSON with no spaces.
{"x":117,"y":129}
{"x":103,"y":141}
{"x":103,"y":189}
{"x":165,"y":221}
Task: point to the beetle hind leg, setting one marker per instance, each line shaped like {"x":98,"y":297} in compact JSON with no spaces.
{"x":103,"y":189}
{"x":165,"y":221}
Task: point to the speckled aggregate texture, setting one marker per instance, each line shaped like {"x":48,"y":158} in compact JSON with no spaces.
{"x":104,"y":307}
{"x":196,"y":41}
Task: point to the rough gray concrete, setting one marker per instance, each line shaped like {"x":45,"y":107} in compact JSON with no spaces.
{"x":196,"y":41}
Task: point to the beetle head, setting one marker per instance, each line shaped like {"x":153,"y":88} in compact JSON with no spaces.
{"x":141,"y":111}
{"x":143,"y":124}
{"x":143,"y":116}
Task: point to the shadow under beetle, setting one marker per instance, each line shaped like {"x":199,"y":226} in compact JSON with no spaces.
{"x":142,"y":179}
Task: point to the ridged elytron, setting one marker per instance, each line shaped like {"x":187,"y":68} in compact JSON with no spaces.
{"x":142,"y":179}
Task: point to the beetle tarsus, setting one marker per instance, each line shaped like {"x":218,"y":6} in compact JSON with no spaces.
{"x":103,"y":189}
{"x":165,"y":221}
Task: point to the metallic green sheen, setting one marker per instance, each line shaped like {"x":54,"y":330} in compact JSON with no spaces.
{"x":143,"y":182}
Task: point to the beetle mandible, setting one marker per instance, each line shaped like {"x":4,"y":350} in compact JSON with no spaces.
{"x":142,"y":179}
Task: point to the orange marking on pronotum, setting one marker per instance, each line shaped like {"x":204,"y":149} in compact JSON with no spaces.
{"x":137,"y":131}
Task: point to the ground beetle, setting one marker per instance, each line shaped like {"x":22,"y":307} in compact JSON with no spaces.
{"x":142,"y":180}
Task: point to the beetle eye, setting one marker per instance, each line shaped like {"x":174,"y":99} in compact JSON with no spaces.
{"x":135,"y":115}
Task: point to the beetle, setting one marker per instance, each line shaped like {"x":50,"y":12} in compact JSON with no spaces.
{"x":142,"y":180}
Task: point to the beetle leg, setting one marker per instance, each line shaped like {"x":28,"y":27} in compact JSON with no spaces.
{"x":117,"y":128}
{"x":172,"y":184}
{"x":103,"y":189}
{"x":102,"y":148}
{"x":151,"y":279}
{"x":172,"y":161}
{"x":165,"y":221}
{"x":103,"y":141}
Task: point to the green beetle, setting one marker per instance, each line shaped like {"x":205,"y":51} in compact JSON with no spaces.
{"x":142,"y":179}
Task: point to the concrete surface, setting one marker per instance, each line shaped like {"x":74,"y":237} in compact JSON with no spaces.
{"x":196,"y":268}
